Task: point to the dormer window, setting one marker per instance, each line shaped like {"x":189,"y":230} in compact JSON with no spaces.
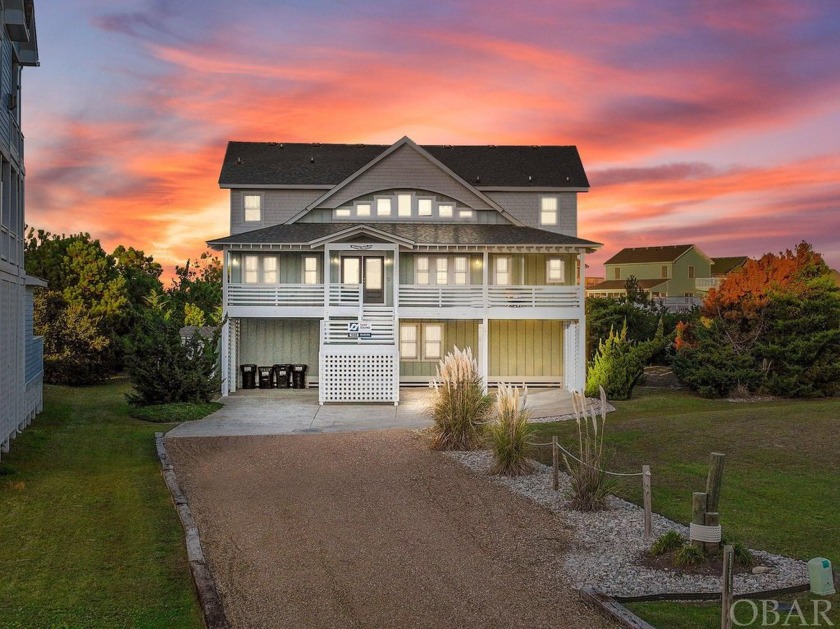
{"x":445,"y":210}
{"x":617,"y":273}
{"x":403,"y":205}
{"x":363,"y":209}
{"x":383,"y":207}
{"x":424,"y":207}
{"x":253,"y":207}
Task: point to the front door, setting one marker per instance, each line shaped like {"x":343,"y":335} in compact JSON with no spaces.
{"x":369,"y":271}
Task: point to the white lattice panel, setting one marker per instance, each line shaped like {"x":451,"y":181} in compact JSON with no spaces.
{"x":359,"y":377}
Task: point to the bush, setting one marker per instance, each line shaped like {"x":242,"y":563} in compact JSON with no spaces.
{"x":715,"y":370}
{"x":667,"y":542}
{"x":689,"y":555}
{"x":590,"y":484}
{"x":460,"y":404}
{"x":164,"y":368}
{"x":619,"y":363}
{"x":509,"y":434}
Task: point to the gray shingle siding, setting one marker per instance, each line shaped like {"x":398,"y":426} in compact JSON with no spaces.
{"x":406,"y":169}
{"x":525,"y":206}
{"x":278,"y":206}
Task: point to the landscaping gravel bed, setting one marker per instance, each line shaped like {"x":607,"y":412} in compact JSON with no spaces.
{"x":607,"y":545}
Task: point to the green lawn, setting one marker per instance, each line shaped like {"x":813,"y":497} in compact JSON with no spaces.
{"x":781,"y":485}
{"x":87,"y":528}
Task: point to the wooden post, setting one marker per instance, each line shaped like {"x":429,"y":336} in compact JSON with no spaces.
{"x":698,"y":513}
{"x":712,"y":519}
{"x":555,"y":464}
{"x":714,"y":480}
{"x":726,"y":588}
{"x":647,"y":498}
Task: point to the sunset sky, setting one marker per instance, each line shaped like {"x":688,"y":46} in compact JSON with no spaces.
{"x":711,"y":122}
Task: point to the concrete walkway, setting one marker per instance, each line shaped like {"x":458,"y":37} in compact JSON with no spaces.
{"x":289,"y":411}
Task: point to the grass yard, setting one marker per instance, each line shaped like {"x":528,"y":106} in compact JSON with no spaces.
{"x":88,"y":531}
{"x":781,"y":483}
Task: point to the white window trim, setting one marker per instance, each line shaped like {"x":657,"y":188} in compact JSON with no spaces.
{"x":465,"y":272}
{"x":258,"y":195}
{"x":306,"y":271}
{"x":426,"y":356}
{"x":246,"y":270}
{"x":496,"y":271}
{"x":266,"y":271}
{"x":548,"y":278}
{"x":551,"y":214}
{"x":415,"y":342}
{"x":431,"y":202}
{"x":418,"y":270}
{"x":376,"y":202}
{"x":442,"y":266}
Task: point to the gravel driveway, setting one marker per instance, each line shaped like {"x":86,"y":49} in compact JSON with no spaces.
{"x":370,"y":530}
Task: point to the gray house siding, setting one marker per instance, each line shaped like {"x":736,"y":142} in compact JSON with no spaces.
{"x":278,"y":206}
{"x":405,"y":169}
{"x":525,"y":206}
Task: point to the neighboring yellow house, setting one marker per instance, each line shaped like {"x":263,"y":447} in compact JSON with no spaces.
{"x":679,"y":275}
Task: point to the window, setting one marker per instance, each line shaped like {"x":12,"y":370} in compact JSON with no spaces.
{"x":252,"y":269}
{"x":555,"y":270}
{"x":253,"y":207}
{"x":442,"y":275}
{"x":269,"y":270}
{"x":617,"y":273}
{"x":408,"y":341}
{"x":403,"y":205}
{"x":343,"y":212}
{"x":461,"y":267}
{"x":310,"y":270}
{"x":465,"y":213}
{"x":424,"y":207}
{"x":691,"y":272}
{"x":432,"y":341}
{"x":664,"y":271}
{"x":421,"y":270}
{"x":363,"y":209}
{"x":548,"y":210}
{"x":383,"y":207}
{"x":501,"y":271}
{"x":351,"y":270}
{"x":445,"y":210}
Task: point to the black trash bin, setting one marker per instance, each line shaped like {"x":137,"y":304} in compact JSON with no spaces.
{"x":249,"y":376}
{"x":298,"y":376}
{"x":282,"y":376}
{"x":265,"y":377}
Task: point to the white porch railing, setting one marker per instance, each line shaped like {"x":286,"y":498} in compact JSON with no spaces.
{"x":275,"y":295}
{"x":705,"y":283}
{"x":533,"y":296}
{"x":422,"y":296}
{"x":345,"y":294}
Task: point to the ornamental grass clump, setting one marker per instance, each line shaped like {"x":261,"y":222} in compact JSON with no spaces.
{"x":587,"y":472}
{"x":508,"y":434}
{"x":460,"y":403}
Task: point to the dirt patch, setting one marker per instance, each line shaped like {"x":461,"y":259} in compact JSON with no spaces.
{"x":370,"y":530}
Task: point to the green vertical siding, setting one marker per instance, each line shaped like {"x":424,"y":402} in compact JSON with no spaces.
{"x":525,"y":348}
{"x":456,"y":332}
{"x":270,"y":341}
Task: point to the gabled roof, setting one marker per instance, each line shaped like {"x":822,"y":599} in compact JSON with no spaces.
{"x":620,"y":284}
{"x":296,"y":164}
{"x":640,"y":255}
{"x":416,"y":233}
{"x":722,"y":266}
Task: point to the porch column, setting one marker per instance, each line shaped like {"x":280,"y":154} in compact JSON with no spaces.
{"x":327,"y":271}
{"x":224,"y":362}
{"x":234,"y":354}
{"x":483,"y":362}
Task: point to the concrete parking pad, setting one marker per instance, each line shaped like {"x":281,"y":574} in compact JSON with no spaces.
{"x":290,"y":411}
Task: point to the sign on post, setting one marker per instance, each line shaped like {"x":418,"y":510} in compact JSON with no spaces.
{"x":358,"y":330}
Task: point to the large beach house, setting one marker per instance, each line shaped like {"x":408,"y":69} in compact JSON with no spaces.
{"x":368,"y":263}
{"x":21,"y":352}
